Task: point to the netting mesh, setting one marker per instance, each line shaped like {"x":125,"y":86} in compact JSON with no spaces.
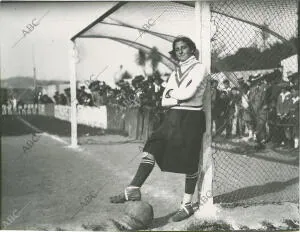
{"x":259,"y":34}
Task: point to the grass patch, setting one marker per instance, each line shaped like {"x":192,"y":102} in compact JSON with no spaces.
{"x":210,"y":226}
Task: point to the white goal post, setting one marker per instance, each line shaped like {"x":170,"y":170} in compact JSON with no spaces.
{"x":203,"y":36}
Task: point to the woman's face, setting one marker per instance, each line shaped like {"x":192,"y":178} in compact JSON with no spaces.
{"x":182,"y":51}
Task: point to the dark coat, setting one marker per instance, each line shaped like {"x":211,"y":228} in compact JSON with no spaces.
{"x":283,"y":105}
{"x":258,"y":97}
{"x":293,"y":114}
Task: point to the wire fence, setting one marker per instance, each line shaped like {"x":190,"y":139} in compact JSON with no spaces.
{"x":255,"y":112}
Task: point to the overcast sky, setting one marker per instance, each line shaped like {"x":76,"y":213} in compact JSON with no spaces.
{"x":48,"y":42}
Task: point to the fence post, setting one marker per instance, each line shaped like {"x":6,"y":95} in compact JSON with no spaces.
{"x":73,"y":57}
{"x":203,"y":16}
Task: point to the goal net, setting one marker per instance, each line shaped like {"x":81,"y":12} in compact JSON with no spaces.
{"x":258,"y":39}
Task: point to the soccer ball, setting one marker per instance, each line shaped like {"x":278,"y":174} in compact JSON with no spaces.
{"x":138,"y":215}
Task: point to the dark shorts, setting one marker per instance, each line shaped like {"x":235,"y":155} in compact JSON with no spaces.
{"x":176,"y":144}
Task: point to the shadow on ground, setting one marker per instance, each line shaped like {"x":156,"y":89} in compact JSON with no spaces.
{"x":254,"y":191}
{"x":12,"y":126}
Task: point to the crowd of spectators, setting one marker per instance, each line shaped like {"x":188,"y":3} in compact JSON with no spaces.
{"x":83,"y":97}
{"x":140,"y":92}
{"x":263,"y":109}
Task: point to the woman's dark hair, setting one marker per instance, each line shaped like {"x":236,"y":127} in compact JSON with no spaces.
{"x":188,"y":41}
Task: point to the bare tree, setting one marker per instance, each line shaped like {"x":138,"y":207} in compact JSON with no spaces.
{"x":141,"y":60}
{"x":155,"y":58}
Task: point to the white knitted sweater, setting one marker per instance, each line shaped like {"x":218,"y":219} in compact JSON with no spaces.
{"x":186,"y":86}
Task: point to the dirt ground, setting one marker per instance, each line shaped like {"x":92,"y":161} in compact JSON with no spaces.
{"x":47,"y":186}
{"x":52,"y":179}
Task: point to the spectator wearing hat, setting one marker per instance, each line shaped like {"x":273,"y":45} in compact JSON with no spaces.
{"x":258,"y":107}
{"x":56,"y":97}
{"x":226,"y":106}
{"x":294,"y":79}
{"x":62,"y":99}
{"x":247,"y":115}
{"x":14,"y":104}
{"x":223,"y":110}
{"x":95,"y":92}
{"x":275,"y":79}
{"x":293,"y":118}
{"x":214,"y":98}
{"x":68,"y":95}
{"x":282,"y":109}
{"x":271,"y":106}
{"x":237,"y":111}
{"x":247,"y":105}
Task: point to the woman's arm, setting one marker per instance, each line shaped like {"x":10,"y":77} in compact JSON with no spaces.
{"x":186,"y":92}
{"x":167,"y":100}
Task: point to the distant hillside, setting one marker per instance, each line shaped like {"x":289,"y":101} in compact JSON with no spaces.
{"x":27,"y":82}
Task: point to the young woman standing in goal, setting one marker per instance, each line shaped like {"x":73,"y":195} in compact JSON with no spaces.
{"x":175,"y":146}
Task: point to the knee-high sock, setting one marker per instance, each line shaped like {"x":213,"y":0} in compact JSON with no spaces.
{"x":190,"y":183}
{"x":145,"y":168}
{"x":187,"y":199}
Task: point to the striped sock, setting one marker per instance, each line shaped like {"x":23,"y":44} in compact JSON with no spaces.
{"x":190,"y":183}
{"x":188,"y":204}
{"x":187,"y":198}
{"x":145,"y":168}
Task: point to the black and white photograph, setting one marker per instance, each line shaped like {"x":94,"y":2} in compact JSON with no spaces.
{"x":150,"y":115}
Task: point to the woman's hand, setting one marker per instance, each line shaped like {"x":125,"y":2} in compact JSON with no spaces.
{"x":168,"y":93}
{"x":169,"y":102}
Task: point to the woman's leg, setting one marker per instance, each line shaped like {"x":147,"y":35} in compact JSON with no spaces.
{"x":186,"y":209}
{"x":132,"y":192}
{"x":190,"y":184}
{"x":144,"y":169}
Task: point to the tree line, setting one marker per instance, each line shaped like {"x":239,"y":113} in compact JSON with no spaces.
{"x":251,"y":58}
